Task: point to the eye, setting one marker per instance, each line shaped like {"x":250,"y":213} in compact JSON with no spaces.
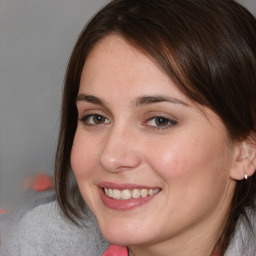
{"x":94,"y":119}
{"x":160,"y":122}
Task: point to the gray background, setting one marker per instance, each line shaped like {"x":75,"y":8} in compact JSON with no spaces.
{"x":36,"y":39}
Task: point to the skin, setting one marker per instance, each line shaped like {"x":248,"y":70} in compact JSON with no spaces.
{"x":190,"y":158}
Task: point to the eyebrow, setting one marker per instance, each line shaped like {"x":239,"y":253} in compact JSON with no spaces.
{"x":91,"y":99}
{"x":140,"y":101}
{"x":146,"y":100}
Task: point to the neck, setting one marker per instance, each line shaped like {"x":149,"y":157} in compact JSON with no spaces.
{"x":200,"y":241}
{"x":163,"y":251}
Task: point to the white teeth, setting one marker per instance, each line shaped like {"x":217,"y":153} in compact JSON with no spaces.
{"x":128,"y":194}
{"x":117,"y":194}
{"x":144,"y":192}
{"x":110,"y":192}
{"x":135,"y":193}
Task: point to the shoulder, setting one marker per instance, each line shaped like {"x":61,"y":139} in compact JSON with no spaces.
{"x":38,"y":227}
{"x":244,"y":240}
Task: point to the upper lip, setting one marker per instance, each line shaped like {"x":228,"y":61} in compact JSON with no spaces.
{"x":123,"y":186}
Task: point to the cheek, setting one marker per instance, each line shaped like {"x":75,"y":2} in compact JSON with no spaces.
{"x":191,"y":170}
{"x":82,"y":157}
{"x":191,"y":156}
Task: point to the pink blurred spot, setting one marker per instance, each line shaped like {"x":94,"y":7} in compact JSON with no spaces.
{"x":43,"y":182}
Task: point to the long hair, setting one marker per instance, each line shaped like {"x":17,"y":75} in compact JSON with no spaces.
{"x":207,"y":47}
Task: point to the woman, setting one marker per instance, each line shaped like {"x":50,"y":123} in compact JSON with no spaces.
{"x":158,"y":125}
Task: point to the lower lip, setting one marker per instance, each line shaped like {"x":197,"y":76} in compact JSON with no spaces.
{"x":124,"y":204}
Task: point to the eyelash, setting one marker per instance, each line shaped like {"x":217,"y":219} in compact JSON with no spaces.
{"x":85,"y":119}
{"x":167,"y":123}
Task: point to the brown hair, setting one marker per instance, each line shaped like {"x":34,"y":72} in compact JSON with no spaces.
{"x":208,"y":47}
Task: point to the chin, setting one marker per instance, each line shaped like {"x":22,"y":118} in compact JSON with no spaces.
{"x":124,"y":235}
{"x":122,"y":239}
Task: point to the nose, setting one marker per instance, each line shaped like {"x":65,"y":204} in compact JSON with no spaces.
{"x":119,"y":151}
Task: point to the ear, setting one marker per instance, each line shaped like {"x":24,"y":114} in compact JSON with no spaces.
{"x":245,"y":158}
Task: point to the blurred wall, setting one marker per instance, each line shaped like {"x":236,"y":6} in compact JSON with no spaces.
{"x":36,"y":38}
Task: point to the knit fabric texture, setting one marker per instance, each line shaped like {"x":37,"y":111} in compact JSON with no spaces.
{"x":38,"y":228}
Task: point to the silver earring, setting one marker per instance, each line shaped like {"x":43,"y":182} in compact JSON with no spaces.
{"x":245,"y":176}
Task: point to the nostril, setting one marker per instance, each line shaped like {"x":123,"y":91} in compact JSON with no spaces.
{"x":120,"y":160}
{"x":119,"y":151}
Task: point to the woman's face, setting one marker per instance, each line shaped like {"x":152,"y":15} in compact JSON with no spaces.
{"x":150,"y":163}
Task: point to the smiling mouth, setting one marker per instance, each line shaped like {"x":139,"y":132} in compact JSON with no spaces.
{"x":127,"y":194}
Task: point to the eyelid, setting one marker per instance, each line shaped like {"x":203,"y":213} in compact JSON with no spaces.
{"x":90,"y":111}
{"x":84,"y":113}
{"x":172,"y":120}
{"x":86,"y":108}
{"x":152,"y":114}
{"x":86,"y":120}
{"x":170,"y":123}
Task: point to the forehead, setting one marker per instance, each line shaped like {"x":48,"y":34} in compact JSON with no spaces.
{"x":115,"y":63}
{"x":114,"y":53}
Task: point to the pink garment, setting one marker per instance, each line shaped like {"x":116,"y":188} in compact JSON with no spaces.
{"x":116,"y":250}
{"x":216,"y":254}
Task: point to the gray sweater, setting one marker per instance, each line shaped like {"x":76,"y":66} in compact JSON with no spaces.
{"x":38,"y":228}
